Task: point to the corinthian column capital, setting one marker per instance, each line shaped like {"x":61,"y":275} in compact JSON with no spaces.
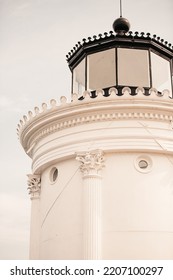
{"x":34,"y":185}
{"x":91,"y":162}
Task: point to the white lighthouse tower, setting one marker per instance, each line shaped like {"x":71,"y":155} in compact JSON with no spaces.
{"x":102,"y":162}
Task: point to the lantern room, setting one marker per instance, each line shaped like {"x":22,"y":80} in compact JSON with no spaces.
{"x":121,"y":59}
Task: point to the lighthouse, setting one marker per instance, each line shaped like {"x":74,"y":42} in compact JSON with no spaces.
{"x":102,"y":161}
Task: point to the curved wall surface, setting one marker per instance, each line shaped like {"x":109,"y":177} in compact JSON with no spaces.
{"x":102,"y":184}
{"x":61,"y":213}
{"x":137,"y":207}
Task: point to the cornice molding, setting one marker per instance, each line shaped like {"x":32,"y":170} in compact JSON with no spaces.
{"x":49,"y":129}
{"x":109,"y":39}
{"x":91,"y":110}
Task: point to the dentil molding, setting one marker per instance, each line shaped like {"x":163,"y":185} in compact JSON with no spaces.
{"x":155,"y":106}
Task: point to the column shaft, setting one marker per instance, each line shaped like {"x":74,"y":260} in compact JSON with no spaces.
{"x":91,"y":164}
{"x":34,"y":186}
{"x":92,"y":217}
{"x":35,"y":230}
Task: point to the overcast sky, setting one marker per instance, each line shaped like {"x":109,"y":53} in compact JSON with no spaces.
{"x":35,"y":36}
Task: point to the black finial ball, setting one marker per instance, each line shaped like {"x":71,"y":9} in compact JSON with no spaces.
{"x":121,"y":25}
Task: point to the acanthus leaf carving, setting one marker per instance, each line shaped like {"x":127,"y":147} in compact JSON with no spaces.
{"x":34,"y":185}
{"x":91,"y":161}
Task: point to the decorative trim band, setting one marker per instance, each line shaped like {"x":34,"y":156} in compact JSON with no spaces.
{"x":94,"y":110}
{"x":76,"y":99}
{"x":49,"y":129}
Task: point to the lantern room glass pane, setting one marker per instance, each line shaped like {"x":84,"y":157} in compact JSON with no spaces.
{"x":133,"y":67}
{"x":79,"y":78}
{"x":161,"y":73}
{"x":101,"y":70}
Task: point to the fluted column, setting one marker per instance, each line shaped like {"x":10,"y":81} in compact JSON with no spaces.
{"x":91,"y":165}
{"x":34,"y":187}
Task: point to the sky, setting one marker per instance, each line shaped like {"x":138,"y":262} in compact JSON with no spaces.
{"x":35,"y":36}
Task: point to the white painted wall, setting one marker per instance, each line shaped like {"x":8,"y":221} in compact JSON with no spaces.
{"x":136,"y":206}
{"x":136,"y":214}
{"x":61,"y":230}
